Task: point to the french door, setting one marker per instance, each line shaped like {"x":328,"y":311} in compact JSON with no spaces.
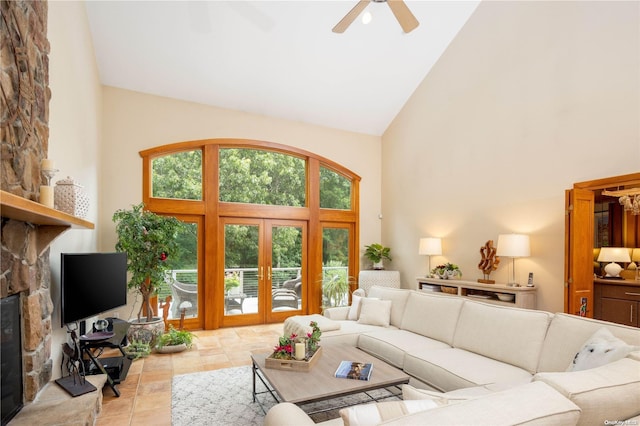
{"x":264,"y":271}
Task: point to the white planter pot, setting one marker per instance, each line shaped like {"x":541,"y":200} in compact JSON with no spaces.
{"x":171,"y":349}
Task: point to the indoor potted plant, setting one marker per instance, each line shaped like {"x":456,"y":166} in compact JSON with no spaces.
{"x":148,"y":239}
{"x":376,"y":253}
{"x":174,"y":340}
{"x":447,"y":271}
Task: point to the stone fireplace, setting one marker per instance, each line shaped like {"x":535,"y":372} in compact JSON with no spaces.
{"x":24,"y":133}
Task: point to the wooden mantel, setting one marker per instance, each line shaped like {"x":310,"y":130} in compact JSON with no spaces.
{"x":18,"y":208}
{"x":51,"y":222}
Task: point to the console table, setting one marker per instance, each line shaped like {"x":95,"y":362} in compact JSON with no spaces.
{"x":521,"y":297}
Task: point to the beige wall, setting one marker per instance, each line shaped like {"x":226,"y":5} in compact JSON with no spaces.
{"x":135,"y":121}
{"x":528,"y":99}
{"x":74,"y":124}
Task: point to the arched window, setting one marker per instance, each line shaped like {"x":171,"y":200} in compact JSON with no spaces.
{"x":274,"y":229}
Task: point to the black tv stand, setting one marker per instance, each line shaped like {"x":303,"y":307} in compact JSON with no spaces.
{"x":91,"y":346}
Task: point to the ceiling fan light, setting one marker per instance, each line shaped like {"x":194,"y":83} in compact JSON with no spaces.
{"x":366,"y":17}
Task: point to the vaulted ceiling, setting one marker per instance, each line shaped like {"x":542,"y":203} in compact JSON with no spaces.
{"x":275,"y":58}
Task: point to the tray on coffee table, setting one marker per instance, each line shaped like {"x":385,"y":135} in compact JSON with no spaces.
{"x":319,"y":383}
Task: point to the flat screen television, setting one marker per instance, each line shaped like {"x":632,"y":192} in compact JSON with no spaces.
{"x":91,"y":283}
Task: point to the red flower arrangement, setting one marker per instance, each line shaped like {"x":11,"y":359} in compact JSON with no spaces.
{"x":286,"y":345}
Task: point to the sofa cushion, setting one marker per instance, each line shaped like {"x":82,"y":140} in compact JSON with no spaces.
{"x":410,"y":393}
{"x":450,"y":369}
{"x":391,"y":345}
{"x":566,"y":335}
{"x":531,"y":404}
{"x":601,"y":348}
{"x":398,"y":299}
{"x":373,"y":414}
{"x":432,"y":315}
{"x":375,"y":312}
{"x":354,"y":309}
{"x":607,"y":393}
{"x":507,"y":334}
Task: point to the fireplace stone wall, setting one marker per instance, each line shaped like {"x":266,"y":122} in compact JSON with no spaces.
{"x":24,"y":134}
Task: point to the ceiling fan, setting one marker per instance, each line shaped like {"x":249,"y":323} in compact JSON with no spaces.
{"x":405,"y":18}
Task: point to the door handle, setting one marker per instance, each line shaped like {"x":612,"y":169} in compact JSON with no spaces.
{"x":268,"y":273}
{"x":261,"y":274}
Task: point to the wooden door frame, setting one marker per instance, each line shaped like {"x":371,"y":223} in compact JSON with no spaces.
{"x":572,"y":259}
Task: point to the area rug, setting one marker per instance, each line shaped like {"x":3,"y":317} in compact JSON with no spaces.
{"x":217,"y":397}
{"x":223,"y":397}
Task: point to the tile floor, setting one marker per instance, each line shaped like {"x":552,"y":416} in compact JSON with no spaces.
{"x":145,"y":395}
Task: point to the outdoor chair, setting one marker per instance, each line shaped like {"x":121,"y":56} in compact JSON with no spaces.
{"x":183,"y":292}
{"x":284,"y":298}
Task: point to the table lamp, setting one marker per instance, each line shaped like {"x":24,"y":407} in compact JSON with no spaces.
{"x":613,"y":255}
{"x":513,"y":245}
{"x":429,"y":247}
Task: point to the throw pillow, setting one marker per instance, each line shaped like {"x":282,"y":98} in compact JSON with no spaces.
{"x":354,"y":309}
{"x":373,"y":414}
{"x":601,"y":348}
{"x":375,"y":312}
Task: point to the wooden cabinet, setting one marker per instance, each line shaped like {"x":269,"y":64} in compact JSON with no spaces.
{"x":617,"y":301}
{"x":499,"y":294}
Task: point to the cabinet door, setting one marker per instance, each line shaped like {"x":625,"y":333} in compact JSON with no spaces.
{"x":620,"y":311}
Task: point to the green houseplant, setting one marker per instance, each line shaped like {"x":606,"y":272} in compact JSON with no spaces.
{"x":137,"y":349}
{"x":148,"y":239}
{"x":335,"y":289}
{"x":180,"y":339}
{"x":376,"y":253}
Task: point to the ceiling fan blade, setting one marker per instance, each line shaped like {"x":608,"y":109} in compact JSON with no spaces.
{"x":405,"y":18}
{"x":351,"y":16}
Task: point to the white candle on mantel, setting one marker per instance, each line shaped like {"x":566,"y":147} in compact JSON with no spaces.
{"x":299,"y":354}
{"x":47,"y":164}
{"x":46,"y":195}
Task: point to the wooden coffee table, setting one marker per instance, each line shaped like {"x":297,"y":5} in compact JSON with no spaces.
{"x":319,"y":383}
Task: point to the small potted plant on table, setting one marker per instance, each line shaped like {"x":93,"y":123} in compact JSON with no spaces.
{"x":447,"y":271}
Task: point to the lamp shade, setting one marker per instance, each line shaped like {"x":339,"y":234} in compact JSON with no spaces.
{"x":614,"y":254}
{"x":635,"y":257}
{"x":430,"y":246}
{"x":513,"y":245}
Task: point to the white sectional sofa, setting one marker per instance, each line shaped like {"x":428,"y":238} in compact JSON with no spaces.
{"x":483,"y":356}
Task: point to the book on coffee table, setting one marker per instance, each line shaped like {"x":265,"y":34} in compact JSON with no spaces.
{"x":354,"y":370}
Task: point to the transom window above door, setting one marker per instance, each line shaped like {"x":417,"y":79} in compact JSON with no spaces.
{"x":261,"y":177}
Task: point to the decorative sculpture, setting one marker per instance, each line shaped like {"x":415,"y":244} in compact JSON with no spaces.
{"x":489,"y":262}
{"x":165,"y":311}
